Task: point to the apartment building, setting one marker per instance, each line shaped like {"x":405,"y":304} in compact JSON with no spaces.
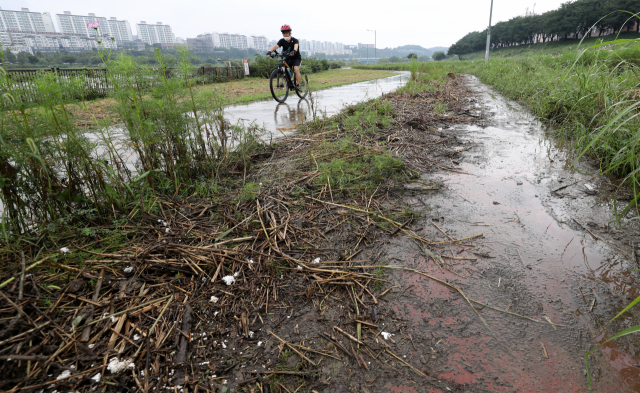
{"x":119,"y":30}
{"x":26,"y":21}
{"x":259,"y":43}
{"x":155,"y":34}
{"x":226,"y":40}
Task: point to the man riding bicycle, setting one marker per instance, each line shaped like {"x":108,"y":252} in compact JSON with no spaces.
{"x":291,"y":46}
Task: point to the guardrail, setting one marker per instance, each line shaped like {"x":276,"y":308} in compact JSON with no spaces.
{"x":95,"y":81}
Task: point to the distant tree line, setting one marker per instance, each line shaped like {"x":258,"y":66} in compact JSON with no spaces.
{"x":573,"y":20}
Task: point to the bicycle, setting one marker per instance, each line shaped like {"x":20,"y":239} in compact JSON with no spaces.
{"x":281,"y":80}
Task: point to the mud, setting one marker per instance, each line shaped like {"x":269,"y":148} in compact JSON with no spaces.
{"x":536,"y":259}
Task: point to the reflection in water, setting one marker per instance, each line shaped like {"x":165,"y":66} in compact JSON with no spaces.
{"x":286,"y":116}
{"x":275,"y":118}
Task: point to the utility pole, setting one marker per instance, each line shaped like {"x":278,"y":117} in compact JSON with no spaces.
{"x":486,"y":56}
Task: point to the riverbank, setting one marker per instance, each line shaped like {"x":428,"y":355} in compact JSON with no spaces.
{"x":370,"y":251}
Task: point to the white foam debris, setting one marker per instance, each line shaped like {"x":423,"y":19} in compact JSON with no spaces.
{"x":229,"y":280}
{"x":223,"y":346}
{"x":386,"y":335}
{"x":236,"y":274}
{"x":299,"y":267}
{"x":136,"y":337}
{"x":64,"y":374}
{"x":204,"y":363}
{"x":65,"y":250}
{"x":251,"y":334}
{"x":216,"y":313}
{"x":128,"y":269}
{"x":214,"y":299}
{"x":251,"y":261}
{"x":167,"y":230}
{"x":91,"y":346}
{"x":113,"y":319}
{"x":317,"y":260}
{"x":115,"y":365}
{"x":259,"y":343}
{"x":96,"y":378}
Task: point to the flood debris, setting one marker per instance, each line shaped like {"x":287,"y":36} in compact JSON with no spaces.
{"x":283,"y":287}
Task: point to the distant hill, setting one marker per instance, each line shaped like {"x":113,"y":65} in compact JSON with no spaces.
{"x":400,"y":51}
{"x":438,"y":48}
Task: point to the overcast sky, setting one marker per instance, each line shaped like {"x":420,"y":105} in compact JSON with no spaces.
{"x":427,"y":23}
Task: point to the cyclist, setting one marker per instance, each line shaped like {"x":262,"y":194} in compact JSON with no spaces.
{"x":291,"y":46}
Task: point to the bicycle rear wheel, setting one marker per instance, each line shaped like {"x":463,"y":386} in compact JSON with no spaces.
{"x":279,"y":86}
{"x":303,"y":90}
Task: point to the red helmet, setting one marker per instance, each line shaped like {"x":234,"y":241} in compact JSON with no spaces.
{"x":285,"y":28}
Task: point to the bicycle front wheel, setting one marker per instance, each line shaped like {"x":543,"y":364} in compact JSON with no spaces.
{"x":279,"y":86}
{"x":303,"y":90}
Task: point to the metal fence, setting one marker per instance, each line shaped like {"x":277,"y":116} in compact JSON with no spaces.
{"x":95,"y":83}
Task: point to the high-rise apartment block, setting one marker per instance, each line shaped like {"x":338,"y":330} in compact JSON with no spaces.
{"x":259,"y":43}
{"x":226,"y":40}
{"x":26,"y":21}
{"x":119,"y":30}
{"x":155,"y":34}
{"x":25,"y":31}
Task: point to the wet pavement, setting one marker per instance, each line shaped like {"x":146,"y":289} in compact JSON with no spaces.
{"x":536,"y":259}
{"x":278,"y":119}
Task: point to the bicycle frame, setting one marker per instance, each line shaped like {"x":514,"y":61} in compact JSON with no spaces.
{"x":289,"y":76}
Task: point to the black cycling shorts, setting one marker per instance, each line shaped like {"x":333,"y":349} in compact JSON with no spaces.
{"x":294,"y":62}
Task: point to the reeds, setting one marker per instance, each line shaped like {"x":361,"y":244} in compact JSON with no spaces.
{"x":171,"y":139}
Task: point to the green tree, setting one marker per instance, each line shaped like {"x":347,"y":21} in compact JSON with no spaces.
{"x":412,"y":56}
{"x":424,"y":58}
{"x":439,"y":55}
{"x":68,"y":59}
{"x":32,"y":59}
{"x":9,"y":57}
{"x":394,"y":59}
{"x":22,"y":58}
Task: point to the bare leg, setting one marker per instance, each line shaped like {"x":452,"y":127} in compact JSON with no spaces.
{"x":298,"y":76}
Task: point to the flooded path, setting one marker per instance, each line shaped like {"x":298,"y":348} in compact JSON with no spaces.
{"x":281,"y":118}
{"x":537,"y":259}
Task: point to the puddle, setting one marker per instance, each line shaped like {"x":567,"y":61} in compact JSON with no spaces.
{"x":534,"y":260}
{"x":280,"y":118}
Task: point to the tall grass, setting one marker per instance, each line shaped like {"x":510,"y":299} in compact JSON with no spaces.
{"x":172,"y":141}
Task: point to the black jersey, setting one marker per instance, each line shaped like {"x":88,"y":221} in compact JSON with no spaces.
{"x":287,"y":46}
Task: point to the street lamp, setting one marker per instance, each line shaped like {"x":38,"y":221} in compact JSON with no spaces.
{"x":486,"y":56}
{"x":375,"y":44}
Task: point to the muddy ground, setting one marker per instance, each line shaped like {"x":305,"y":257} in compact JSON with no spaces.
{"x":549,"y":252}
{"x":499,"y":266}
